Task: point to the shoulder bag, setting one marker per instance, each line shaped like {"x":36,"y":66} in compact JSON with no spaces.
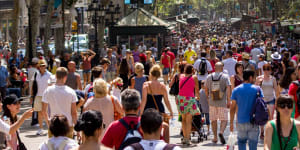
{"x":117,"y":115}
{"x":21,"y":145}
{"x":174,"y":90}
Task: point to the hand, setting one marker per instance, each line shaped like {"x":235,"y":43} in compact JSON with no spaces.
{"x":79,"y":139}
{"x":31,"y":100}
{"x":28,"y":113}
{"x":228,"y":104}
{"x":231,"y":126}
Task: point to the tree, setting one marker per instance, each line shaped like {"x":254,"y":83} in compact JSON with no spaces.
{"x":15,"y":26}
{"x":35,"y":17}
{"x":50,"y":7}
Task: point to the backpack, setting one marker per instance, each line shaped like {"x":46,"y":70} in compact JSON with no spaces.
{"x":132,"y":135}
{"x":259,"y":113}
{"x":216,"y":91}
{"x":202,"y":67}
{"x":297,"y":94}
{"x":138,"y":146}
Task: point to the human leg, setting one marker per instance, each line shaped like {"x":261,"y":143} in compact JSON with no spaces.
{"x":166,"y":132}
{"x":214,"y":122}
{"x":253,"y":134}
{"x":188,"y":123}
{"x":242,"y":136}
{"x":85,"y":78}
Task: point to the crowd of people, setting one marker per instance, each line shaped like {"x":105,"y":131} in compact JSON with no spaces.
{"x":213,"y":71}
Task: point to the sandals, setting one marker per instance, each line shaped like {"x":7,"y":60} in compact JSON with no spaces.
{"x":222,"y":139}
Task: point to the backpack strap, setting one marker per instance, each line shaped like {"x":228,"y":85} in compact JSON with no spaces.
{"x":124,"y":123}
{"x":63,"y":144}
{"x":49,"y":145}
{"x":169,"y":147}
{"x":137,"y":146}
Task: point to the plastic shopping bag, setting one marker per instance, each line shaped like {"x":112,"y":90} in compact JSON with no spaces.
{"x":231,"y":141}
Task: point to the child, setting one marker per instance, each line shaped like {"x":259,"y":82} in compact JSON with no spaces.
{"x":204,"y":106}
{"x":117,"y":85}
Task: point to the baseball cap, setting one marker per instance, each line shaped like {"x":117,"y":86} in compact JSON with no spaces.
{"x":11,"y":99}
{"x":35,"y":60}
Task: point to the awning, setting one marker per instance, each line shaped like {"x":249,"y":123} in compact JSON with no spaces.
{"x":181,"y":21}
{"x":234,"y":20}
{"x":289,"y":23}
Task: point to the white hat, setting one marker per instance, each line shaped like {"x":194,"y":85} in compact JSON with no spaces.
{"x":35,"y":60}
{"x":41,"y":51}
{"x":276,"y":56}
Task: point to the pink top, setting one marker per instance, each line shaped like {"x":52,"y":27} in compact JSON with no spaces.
{"x":294,"y":58}
{"x":188,"y":88}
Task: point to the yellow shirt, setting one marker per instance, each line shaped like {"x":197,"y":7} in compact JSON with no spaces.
{"x":189,"y":56}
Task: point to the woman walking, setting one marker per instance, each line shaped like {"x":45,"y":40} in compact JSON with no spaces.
{"x":86,"y":66}
{"x":237,"y":79}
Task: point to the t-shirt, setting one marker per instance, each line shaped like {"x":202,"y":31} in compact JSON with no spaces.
{"x":117,"y":128}
{"x":113,"y":62}
{"x":293,"y":91}
{"x":224,"y":82}
{"x":4,"y":127}
{"x":229,"y":65}
{"x":172,"y":57}
{"x":153,"y":145}
{"x":60,"y":99}
{"x":260,"y":66}
{"x":166,"y":60}
{"x":189,"y":56}
{"x":56,"y":141}
{"x":254,"y":53}
{"x":208,"y":66}
{"x":203,"y":102}
{"x":237,"y":57}
{"x":42,"y":82}
{"x":245,"y":96}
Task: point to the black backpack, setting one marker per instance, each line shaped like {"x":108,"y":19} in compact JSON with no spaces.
{"x":297,"y":94}
{"x":132,"y":136}
{"x":202,"y":67}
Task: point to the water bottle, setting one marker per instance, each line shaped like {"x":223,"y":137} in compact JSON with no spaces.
{"x":172,"y":123}
{"x":6,"y":120}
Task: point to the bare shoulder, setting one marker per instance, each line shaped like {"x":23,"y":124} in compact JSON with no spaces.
{"x":297,"y":123}
{"x":195,"y":77}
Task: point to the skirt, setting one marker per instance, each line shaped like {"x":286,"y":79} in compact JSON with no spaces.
{"x":187,"y":105}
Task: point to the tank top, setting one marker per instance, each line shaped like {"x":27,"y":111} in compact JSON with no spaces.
{"x":275,"y":140}
{"x":188,"y":88}
{"x":237,"y":81}
{"x":139,"y":83}
{"x":72,"y":81}
{"x":158,"y":99}
{"x":268,"y":89}
{"x":86,"y":64}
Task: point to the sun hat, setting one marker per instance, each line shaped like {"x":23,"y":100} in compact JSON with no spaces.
{"x":245,"y":55}
{"x":276,"y":56}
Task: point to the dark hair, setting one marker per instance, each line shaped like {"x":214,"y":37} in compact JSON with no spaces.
{"x":182,"y":66}
{"x":59,"y":126}
{"x":247,"y":74}
{"x":238,"y":64}
{"x":124,"y":68}
{"x":188,"y":69}
{"x":151,"y":121}
{"x":203,"y":54}
{"x":6,"y":112}
{"x":131,"y":99}
{"x":89,"y":122}
{"x":286,"y":79}
{"x":267,"y":66}
{"x":281,"y":99}
{"x":229,"y":52}
{"x":105,"y":61}
{"x":96,"y":71}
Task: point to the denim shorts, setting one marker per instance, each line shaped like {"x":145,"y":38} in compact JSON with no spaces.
{"x":166,"y":71}
{"x":272,"y":102}
{"x":86,"y":71}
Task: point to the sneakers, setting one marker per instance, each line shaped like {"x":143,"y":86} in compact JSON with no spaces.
{"x":40,"y":132}
{"x":186,"y":142}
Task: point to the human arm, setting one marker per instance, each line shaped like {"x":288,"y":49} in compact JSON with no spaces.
{"x":92,"y":56}
{"x":166,"y":99}
{"x":14,"y":127}
{"x":268,"y":136}
{"x":228,"y":95}
{"x":197,"y":94}
{"x":132,"y":83}
{"x":232,"y":113}
{"x":172,"y":81}
{"x":144,"y":97}
{"x":78,"y":80}
{"x":232,"y":80}
{"x":276,"y":88}
{"x":118,"y":107}
{"x":74,"y":113}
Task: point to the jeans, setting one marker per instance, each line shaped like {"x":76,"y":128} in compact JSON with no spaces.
{"x":250,"y":132}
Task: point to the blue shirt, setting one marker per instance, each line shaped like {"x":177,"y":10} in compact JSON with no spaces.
{"x":3,"y":76}
{"x":245,"y":96}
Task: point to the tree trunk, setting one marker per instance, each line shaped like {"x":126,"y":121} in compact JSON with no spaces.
{"x":35,"y":13}
{"x":47,"y":35}
{"x":59,"y":44}
{"x":15,"y":26}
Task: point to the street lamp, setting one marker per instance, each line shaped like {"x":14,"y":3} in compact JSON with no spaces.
{"x":97,"y":13}
{"x":28,"y":5}
{"x":113,"y":13}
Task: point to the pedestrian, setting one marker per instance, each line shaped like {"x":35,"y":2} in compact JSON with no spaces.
{"x":229,"y":63}
{"x":246,"y":62}
{"x":73,"y":79}
{"x":86,"y":66}
{"x":116,"y":87}
{"x":130,"y":61}
{"x":90,"y":123}
{"x":103,"y":102}
{"x":61,"y":99}
{"x":138,"y":80}
{"x":136,"y":54}
{"x":165,"y":61}
{"x":282,"y":132}
{"x":186,"y":102}
{"x":4,"y":81}
{"x":149,"y":62}
{"x":42,"y":78}
{"x":217,"y":87}
{"x":190,"y":55}
{"x":203,"y":68}
{"x":204,"y":107}
{"x":60,"y":128}
{"x":151,"y":123}
{"x":96,"y":74}
{"x":65,"y":60}
{"x":255,"y":52}
{"x":131,"y":101}
{"x":112,"y":67}
{"x":237,"y":79}
{"x":124,"y":72}
{"x":246,"y":131}
{"x":213,"y":59}
{"x":276,"y":65}
{"x":288,"y":77}
{"x":261,"y":63}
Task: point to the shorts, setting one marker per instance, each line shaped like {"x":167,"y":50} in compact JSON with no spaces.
{"x":37,"y":106}
{"x":69,"y":135}
{"x":110,"y":76}
{"x":216,"y":113}
{"x":187,"y":105}
{"x":86,"y":71}
{"x":272,"y":102}
{"x":206,"y":115}
{"x":166,"y":71}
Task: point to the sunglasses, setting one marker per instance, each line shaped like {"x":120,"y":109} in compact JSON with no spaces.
{"x":268,"y":69}
{"x":283,"y":105}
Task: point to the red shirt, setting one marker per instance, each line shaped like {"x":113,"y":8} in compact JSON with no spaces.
{"x":116,"y":132}
{"x":237,"y":57}
{"x":172,"y":57}
{"x":165,"y":60}
{"x":293,"y":91}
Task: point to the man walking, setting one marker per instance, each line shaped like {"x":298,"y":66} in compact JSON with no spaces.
{"x":229,"y":63}
{"x":218,"y":89}
{"x":3,"y":81}
{"x":112,"y":68}
{"x":73,"y":79}
{"x":243,"y":97}
{"x":61,"y":100}
{"x":203,"y":67}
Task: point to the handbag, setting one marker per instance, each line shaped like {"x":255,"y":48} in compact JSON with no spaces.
{"x":174,"y":90}
{"x":117,"y":115}
{"x":165,"y":116}
{"x":21,"y":145}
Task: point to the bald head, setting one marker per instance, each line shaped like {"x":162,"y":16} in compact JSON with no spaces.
{"x":219,"y":67}
{"x":72,"y":66}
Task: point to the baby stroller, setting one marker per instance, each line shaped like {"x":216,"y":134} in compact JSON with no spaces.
{"x":198,"y":133}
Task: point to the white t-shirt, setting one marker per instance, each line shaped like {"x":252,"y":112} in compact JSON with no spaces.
{"x":56,"y":141}
{"x":254,"y":53}
{"x":42,"y":82}
{"x":4,"y":127}
{"x":153,"y":145}
{"x":229,"y":65}
{"x":117,"y":93}
{"x":260,"y":66}
{"x":59,"y":99}
{"x":208,"y":66}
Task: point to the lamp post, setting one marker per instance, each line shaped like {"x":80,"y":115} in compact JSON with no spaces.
{"x":97,"y":13}
{"x":113,"y":13}
{"x":28,"y":5}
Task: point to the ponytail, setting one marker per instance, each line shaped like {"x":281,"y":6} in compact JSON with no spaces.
{"x":278,"y":128}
